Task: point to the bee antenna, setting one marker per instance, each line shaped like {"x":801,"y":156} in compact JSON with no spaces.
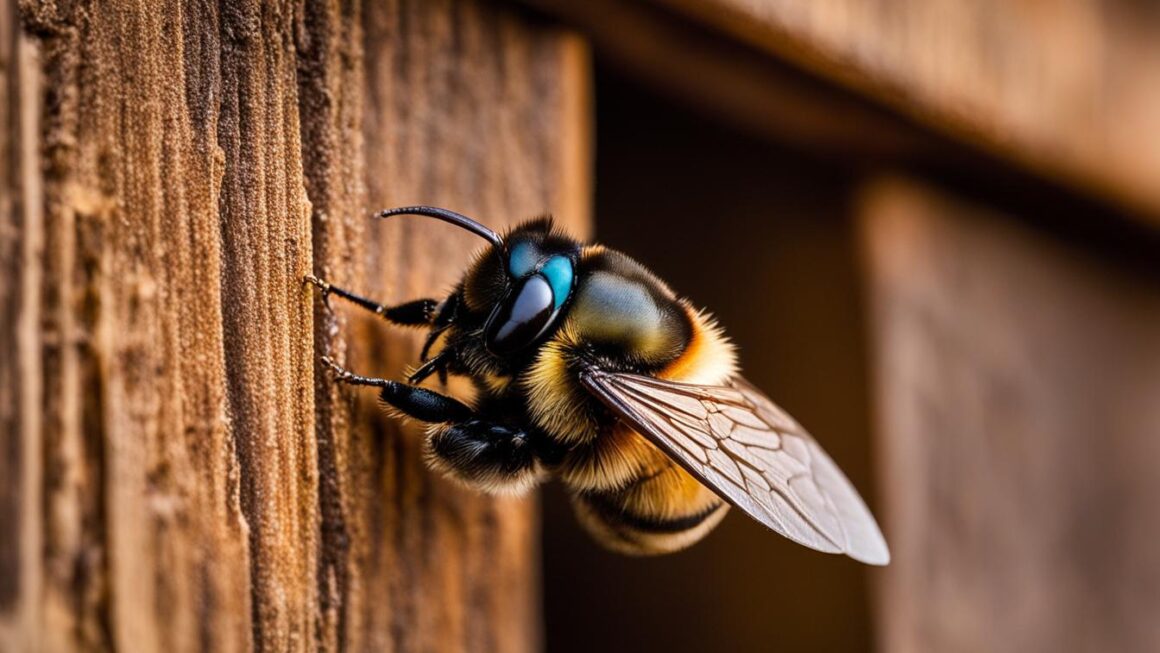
{"x":452,"y":217}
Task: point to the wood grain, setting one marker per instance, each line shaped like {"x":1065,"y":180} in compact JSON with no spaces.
{"x":182,"y":476}
{"x":473,"y":109}
{"x":1016,"y":377}
{"x":1070,"y":90}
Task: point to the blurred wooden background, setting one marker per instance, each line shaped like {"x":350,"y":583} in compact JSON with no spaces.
{"x":933,"y":228}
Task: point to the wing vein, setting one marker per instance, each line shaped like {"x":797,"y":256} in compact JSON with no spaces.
{"x":805,"y":496}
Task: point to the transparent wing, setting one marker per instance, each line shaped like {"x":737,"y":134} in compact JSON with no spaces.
{"x":737,"y":442}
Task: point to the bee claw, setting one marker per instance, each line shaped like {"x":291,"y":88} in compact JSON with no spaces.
{"x":340,"y":374}
{"x":324,"y":286}
{"x":313,"y":280}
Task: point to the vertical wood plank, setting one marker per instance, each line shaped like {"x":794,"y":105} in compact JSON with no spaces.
{"x":331,"y":83}
{"x":184,"y":478}
{"x":268,"y":354}
{"x":21,"y":240}
{"x":146,"y":543}
{"x":481,"y":110}
{"x":1016,"y":381}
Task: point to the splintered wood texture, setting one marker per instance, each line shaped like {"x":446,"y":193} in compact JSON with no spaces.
{"x":1016,"y":379}
{"x":177,"y":473}
{"x":1069,"y":88}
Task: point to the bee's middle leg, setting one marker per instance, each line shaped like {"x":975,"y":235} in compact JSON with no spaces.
{"x":461,"y":443}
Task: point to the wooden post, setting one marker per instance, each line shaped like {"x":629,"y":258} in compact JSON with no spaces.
{"x":1016,"y":376}
{"x":176,"y":471}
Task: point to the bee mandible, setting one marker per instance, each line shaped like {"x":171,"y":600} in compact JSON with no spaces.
{"x":590,"y":369}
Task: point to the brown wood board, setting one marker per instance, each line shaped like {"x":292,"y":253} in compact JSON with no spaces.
{"x":1015,"y":377}
{"x":184,"y":476}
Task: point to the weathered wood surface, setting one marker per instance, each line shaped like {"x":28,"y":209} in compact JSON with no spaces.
{"x":1069,"y":89}
{"x":1016,"y":378}
{"x":1064,"y":92}
{"x":178,"y":474}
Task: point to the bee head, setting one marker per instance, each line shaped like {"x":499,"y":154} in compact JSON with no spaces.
{"x":520,"y":285}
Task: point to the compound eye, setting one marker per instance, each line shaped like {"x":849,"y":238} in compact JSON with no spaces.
{"x":558,"y":270}
{"x":523,"y":259}
{"x":518,"y":323}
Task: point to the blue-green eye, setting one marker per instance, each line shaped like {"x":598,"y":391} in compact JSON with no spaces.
{"x":558,"y":271}
{"x":523,"y":258}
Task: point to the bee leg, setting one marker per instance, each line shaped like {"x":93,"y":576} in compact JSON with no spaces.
{"x":413,"y":313}
{"x":485,"y":455}
{"x":443,"y":321}
{"x":438,"y":365}
{"x":462,"y":444}
{"x":415,"y":402}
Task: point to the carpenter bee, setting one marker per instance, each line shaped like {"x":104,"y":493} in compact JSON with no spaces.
{"x":591,"y":370}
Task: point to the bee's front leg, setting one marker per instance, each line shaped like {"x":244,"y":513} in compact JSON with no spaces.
{"x":466,"y":446}
{"x":418,"y":312}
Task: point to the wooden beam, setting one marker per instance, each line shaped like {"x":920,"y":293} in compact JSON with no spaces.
{"x":1069,"y":90}
{"x":1015,"y":377}
{"x":178,"y":473}
{"x":723,"y":77}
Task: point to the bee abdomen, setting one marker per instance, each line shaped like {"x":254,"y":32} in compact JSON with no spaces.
{"x":612,"y":512}
{"x":614,"y":461}
{"x":661,"y":512}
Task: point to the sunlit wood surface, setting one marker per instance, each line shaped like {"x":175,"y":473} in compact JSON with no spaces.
{"x":177,"y":472}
